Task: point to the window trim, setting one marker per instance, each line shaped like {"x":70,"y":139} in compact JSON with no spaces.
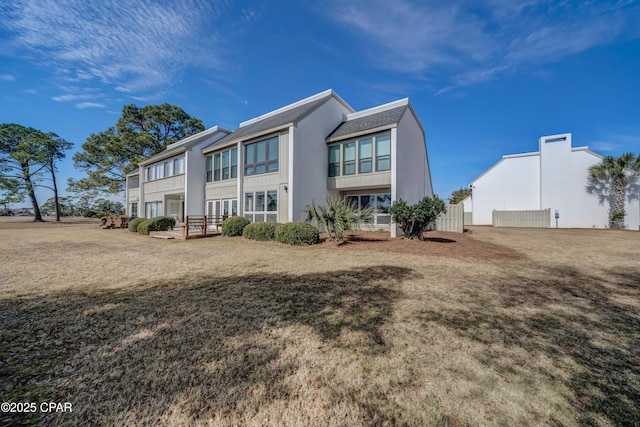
{"x":269,"y":211}
{"x":232,"y":168}
{"x":158,"y":170}
{"x":356,"y":164}
{"x":252,"y":148}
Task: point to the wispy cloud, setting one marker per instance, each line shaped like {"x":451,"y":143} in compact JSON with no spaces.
{"x":84,"y":105}
{"x":133,"y":45}
{"x":473,"y":42}
{"x":7,"y":77}
{"x":617,"y":143}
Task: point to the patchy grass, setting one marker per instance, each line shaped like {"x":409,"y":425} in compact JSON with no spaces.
{"x":225,"y":331}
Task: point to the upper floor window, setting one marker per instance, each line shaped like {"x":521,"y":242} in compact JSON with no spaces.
{"x":334,"y":160}
{"x":261,"y":156}
{"x":363,"y":155}
{"x":222,"y":165}
{"x":165,"y":169}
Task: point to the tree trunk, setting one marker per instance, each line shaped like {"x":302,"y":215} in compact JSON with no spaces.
{"x":32,"y":194}
{"x":619,"y":196}
{"x":55,"y":189}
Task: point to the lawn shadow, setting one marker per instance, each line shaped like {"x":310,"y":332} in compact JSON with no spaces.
{"x":594,"y":322}
{"x":439,"y":240}
{"x":199,"y":346}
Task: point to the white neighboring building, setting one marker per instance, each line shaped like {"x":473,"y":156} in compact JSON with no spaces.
{"x":555,"y":177}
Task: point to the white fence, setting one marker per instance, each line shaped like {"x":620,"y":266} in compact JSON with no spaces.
{"x":533,"y":219}
{"x":468,"y":218}
{"x":453,"y":220}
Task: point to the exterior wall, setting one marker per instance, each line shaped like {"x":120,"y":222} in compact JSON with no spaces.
{"x":409,"y":165}
{"x":269,"y":181}
{"x":369,"y":180}
{"x":156,"y":190}
{"x":195,"y":177}
{"x":556,"y":173}
{"x":227,"y":189}
{"x":512,"y":184}
{"x":310,"y":157}
{"x":413,"y":178}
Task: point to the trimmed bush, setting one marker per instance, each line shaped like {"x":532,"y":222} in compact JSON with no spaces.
{"x":234,"y":226}
{"x":261,"y":231}
{"x":159,"y":223}
{"x":134,"y":223}
{"x":297,"y":233}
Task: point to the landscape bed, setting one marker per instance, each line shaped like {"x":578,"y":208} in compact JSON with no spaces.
{"x":493,"y":327}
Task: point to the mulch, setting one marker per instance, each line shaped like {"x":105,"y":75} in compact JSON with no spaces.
{"x":436,"y":243}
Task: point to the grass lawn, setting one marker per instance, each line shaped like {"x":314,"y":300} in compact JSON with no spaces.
{"x":494,"y":327}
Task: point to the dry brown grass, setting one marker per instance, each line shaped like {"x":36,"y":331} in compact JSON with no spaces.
{"x":224,"y":331}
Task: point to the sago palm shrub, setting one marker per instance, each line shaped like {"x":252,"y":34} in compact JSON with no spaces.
{"x":339,"y":216}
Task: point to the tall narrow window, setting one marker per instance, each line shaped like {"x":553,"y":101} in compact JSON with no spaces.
{"x":272,"y":157}
{"x":178,"y":166}
{"x":209,"y":168}
{"x":225,"y":165}
{"x":272,"y":206}
{"x":159,"y":171}
{"x":216,"y":167}
{"x":349,"y":158}
{"x":364,"y":154}
{"x":383,"y":153}
{"x":248,"y":202}
{"x":234,"y":163}
{"x":334,"y":160}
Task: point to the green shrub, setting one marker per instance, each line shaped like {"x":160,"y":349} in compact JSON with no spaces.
{"x":134,"y":223}
{"x":414,"y":219}
{"x":297,"y":233}
{"x":159,"y":223}
{"x":260,"y":231}
{"x":234,"y":226}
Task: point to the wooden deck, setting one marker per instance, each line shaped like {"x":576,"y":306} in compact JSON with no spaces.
{"x":194,"y":227}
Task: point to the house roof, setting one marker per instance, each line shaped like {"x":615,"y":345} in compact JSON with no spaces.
{"x":373,"y":119}
{"x":184,"y":144}
{"x":277,"y":119}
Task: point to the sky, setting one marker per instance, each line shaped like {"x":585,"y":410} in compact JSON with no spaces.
{"x":486,"y":78}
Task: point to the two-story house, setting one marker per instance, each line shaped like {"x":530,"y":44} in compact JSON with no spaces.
{"x":171,"y":183}
{"x":274,"y":165}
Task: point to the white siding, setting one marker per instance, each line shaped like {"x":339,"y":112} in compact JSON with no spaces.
{"x":512,"y":184}
{"x":413,"y":178}
{"x":311,"y":155}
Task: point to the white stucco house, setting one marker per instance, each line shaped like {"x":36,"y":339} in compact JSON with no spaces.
{"x":554,"y":177}
{"x":272,"y":166}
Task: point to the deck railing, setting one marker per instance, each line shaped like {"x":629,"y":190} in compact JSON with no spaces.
{"x":202,"y":225}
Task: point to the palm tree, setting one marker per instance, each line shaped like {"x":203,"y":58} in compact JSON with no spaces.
{"x":339,"y":216}
{"x":617,"y":170}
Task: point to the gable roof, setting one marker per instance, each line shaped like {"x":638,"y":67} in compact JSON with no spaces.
{"x":277,"y":119}
{"x":374,"y":119}
{"x":184,"y":144}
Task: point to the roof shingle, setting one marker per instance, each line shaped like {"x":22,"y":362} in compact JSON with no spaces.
{"x":368,"y":122}
{"x":274,"y":122}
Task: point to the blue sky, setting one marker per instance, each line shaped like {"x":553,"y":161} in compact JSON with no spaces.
{"x":487,"y":78}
